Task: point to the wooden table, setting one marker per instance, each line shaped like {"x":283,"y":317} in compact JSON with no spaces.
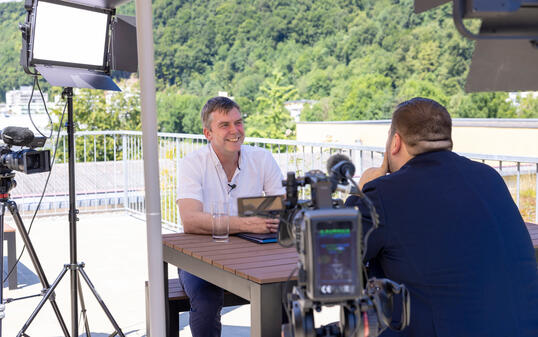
{"x":533,"y":231}
{"x":255,"y":272}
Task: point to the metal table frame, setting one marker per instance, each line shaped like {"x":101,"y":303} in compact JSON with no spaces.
{"x":265,"y":299}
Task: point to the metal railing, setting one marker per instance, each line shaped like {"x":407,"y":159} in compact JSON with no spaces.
{"x":109,"y":171}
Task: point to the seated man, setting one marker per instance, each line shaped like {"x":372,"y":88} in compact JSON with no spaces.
{"x":450,"y":232}
{"x":223,"y":170}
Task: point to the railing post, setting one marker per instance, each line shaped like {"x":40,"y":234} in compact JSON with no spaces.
{"x":125,"y":172}
{"x":518,"y":183}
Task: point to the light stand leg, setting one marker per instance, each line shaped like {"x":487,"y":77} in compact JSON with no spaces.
{"x":83,"y":310}
{"x":98,"y":298}
{"x":48,"y":294}
{"x":35,"y":261}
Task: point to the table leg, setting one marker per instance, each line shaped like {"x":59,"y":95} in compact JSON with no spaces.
{"x":266,"y":299}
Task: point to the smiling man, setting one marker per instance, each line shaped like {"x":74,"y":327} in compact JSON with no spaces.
{"x":224,"y":170}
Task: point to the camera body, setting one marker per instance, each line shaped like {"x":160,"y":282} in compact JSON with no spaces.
{"x":327,"y":237}
{"x":329,"y":240}
{"x":27,"y":160}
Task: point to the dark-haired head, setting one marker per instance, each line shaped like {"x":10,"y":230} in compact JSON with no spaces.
{"x":423,"y":124}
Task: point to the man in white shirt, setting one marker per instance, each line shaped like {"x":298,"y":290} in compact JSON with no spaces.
{"x":224,"y":170}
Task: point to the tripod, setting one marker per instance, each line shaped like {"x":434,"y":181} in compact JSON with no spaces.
{"x":73,"y":267}
{"x":6,"y":184}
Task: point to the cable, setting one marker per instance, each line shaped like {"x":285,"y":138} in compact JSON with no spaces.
{"x":45,"y":105}
{"x":373,"y":213}
{"x":42,"y":193}
{"x":286,"y":288}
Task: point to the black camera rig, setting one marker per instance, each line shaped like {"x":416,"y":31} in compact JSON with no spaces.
{"x":328,"y":238}
{"x":27,"y":160}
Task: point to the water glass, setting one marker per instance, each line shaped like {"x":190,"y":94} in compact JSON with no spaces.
{"x":220,"y":220}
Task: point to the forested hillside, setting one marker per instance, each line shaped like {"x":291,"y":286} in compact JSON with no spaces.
{"x":357,"y":58}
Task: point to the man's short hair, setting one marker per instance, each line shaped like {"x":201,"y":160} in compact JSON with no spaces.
{"x":423,"y":124}
{"x":219,"y":103}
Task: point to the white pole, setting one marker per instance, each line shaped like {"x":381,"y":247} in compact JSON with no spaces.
{"x":144,"y":32}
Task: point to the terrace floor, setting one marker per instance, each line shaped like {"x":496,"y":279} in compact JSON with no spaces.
{"x":113,"y":247}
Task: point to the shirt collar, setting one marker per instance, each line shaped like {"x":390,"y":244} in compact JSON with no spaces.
{"x":216,"y":161}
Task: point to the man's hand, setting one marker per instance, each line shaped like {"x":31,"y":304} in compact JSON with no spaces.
{"x":259,"y":225}
{"x":374,"y":172}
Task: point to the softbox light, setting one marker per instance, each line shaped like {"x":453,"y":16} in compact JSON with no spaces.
{"x":506,"y":47}
{"x":72,"y":44}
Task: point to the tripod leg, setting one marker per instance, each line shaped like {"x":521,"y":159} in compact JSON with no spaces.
{"x":83,"y":309}
{"x":47,"y":295}
{"x":35,"y":261}
{"x":2,"y":211}
{"x":98,"y":298}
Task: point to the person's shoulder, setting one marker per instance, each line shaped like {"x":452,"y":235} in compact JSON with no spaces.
{"x":253,"y":149}
{"x":255,"y":153}
{"x":197,"y":157}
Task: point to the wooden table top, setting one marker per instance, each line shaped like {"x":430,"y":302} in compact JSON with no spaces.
{"x":261,"y":263}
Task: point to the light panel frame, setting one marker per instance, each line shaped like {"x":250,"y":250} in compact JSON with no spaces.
{"x":103,"y":66}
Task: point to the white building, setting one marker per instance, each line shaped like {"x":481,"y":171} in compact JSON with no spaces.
{"x":295,"y":107}
{"x":515,"y":97}
{"x":17,"y":101}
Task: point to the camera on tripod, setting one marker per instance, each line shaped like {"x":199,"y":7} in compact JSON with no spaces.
{"x":27,"y":160}
{"x":328,"y":238}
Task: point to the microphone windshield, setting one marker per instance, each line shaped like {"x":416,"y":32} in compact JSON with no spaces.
{"x":17,"y":136}
{"x":335,"y":159}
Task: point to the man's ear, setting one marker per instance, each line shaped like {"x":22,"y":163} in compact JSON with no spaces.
{"x":207,"y":134}
{"x":396,"y":144}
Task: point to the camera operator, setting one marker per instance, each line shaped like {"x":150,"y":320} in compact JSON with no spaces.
{"x":450,"y":231}
{"x":223,"y":170}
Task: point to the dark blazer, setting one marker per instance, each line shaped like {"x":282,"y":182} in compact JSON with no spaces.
{"x":453,"y":235}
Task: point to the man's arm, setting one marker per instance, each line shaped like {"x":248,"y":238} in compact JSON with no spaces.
{"x":196,"y":221}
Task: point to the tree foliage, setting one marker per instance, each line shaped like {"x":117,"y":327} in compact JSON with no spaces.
{"x":357,"y":58}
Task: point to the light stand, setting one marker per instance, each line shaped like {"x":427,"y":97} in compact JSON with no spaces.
{"x":73,"y":267}
{"x":99,"y":41}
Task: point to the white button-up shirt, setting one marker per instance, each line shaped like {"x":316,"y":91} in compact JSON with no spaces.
{"x":202,"y":177}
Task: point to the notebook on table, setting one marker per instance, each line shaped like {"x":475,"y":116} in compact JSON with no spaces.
{"x":259,"y":238}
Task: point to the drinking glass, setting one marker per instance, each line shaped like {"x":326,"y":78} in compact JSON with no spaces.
{"x":220,"y":220}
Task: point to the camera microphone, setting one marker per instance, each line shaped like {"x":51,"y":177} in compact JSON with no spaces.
{"x":340,"y":166}
{"x":232,"y":186}
{"x":17,"y":136}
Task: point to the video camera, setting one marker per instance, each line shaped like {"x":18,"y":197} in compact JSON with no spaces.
{"x":328,"y":238}
{"x":28,"y":160}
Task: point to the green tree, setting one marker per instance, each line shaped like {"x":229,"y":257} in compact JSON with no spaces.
{"x":272,"y":120}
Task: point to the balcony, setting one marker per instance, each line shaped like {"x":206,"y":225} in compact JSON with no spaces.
{"x":112,"y":230}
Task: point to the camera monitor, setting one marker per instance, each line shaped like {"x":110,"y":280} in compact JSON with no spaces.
{"x":333,"y":238}
{"x":260,"y":206}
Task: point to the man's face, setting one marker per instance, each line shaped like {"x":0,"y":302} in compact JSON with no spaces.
{"x":226,"y":132}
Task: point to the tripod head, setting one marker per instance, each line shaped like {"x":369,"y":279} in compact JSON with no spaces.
{"x":7,"y":183}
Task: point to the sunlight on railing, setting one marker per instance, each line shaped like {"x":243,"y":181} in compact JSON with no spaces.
{"x":109,"y":171}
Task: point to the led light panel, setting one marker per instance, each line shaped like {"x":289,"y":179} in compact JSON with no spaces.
{"x":69,"y":35}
